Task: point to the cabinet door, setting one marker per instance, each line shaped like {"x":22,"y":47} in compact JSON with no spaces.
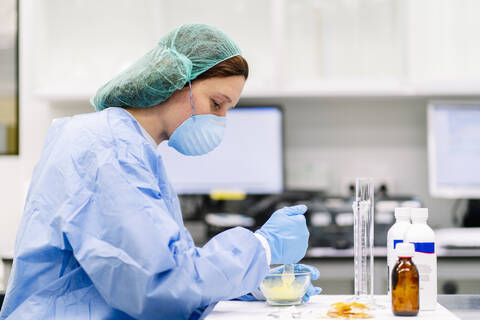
{"x":247,"y":22}
{"x":344,"y":41}
{"x":444,"y":45}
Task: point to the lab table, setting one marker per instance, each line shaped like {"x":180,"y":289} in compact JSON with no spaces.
{"x":466,"y":307}
{"x":449,"y":307}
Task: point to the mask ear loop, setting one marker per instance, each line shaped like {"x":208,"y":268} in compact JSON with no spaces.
{"x":191,"y":97}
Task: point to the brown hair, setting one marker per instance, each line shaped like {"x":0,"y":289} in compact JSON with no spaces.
{"x":234,"y":66}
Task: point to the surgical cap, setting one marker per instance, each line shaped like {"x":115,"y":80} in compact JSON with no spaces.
{"x":179,"y":57}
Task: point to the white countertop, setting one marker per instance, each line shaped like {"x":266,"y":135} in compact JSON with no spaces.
{"x":316,"y":308}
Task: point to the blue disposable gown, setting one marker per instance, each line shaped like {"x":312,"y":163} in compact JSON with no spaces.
{"x":102,"y":235}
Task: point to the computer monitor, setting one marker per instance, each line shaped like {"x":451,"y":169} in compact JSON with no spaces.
{"x":454,"y":149}
{"x":249,"y":159}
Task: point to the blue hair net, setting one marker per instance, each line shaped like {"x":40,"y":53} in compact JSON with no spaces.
{"x":180,"y":56}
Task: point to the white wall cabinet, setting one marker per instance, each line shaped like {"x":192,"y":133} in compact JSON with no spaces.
{"x":382,"y":47}
{"x":294,"y":47}
{"x":343,"y":43}
{"x":444,"y":46}
{"x":82,"y":44}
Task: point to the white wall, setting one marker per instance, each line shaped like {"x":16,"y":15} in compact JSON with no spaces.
{"x":34,"y":119}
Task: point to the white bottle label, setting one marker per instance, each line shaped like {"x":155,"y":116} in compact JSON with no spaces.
{"x":426,"y":261}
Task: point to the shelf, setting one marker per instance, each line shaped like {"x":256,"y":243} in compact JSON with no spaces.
{"x":348,"y":88}
{"x":444,"y":88}
{"x":325,"y":89}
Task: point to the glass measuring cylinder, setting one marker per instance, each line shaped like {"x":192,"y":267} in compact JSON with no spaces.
{"x":363,"y":223}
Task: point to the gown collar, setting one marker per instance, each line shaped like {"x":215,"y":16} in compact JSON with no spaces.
{"x":145,"y":133}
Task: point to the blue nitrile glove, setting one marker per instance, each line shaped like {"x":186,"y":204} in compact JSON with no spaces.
{"x":287,"y":234}
{"x":311,"y":290}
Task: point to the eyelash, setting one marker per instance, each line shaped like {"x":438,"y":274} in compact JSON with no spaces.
{"x":215,"y":105}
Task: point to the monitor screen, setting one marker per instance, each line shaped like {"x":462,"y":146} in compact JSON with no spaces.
{"x":454,"y":149}
{"x":249,"y":159}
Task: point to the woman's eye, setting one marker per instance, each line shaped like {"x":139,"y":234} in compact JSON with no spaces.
{"x":216,"y":105}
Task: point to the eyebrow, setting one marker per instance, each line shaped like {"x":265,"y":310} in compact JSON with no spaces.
{"x":226,"y":97}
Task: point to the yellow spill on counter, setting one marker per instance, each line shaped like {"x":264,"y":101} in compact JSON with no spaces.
{"x":352,"y":310}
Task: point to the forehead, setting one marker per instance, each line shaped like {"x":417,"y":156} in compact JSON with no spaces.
{"x":230,"y":86}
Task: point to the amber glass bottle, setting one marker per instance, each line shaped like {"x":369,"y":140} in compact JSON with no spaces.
{"x":405,"y":286}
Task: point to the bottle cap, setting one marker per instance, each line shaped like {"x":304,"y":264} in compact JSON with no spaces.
{"x":419,"y":214}
{"x":402,"y":212}
{"x":405,"y":250}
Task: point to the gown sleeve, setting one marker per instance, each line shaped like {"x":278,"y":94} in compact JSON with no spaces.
{"x":139,"y":259}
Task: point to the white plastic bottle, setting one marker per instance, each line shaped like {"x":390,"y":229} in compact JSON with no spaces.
{"x":396,"y":235}
{"x":423,"y":237}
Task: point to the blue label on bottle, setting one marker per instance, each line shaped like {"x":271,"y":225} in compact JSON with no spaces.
{"x":424,"y":247}
{"x":395,"y":243}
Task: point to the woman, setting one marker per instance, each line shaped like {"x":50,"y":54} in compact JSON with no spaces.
{"x":102,"y":235}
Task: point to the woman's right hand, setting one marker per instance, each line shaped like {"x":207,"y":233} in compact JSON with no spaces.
{"x":287,"y":234}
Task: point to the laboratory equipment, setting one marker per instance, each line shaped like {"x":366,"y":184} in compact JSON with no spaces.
{"x":385,"y":206}
{"x":330,"y":219}
{"x":288,"y":274}
{"x":454,"y":153}
{"x":363,"y":221}
{"x":458,"y":238}
{"x":423,"y":237}
{"x":279,"y":292}
{"x":219,"y":222}
{"x":297,"y":268}
{"x":405,"y":282}
{"x":249,"y":159}
{"x":331,"y":222}
{"x":395,"y":236}
{"x":453,"y":145}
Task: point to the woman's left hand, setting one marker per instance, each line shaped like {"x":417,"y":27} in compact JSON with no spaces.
{"x":257,"y":295}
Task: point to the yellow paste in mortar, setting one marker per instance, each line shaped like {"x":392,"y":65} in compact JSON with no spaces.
{"x":284,"y":292}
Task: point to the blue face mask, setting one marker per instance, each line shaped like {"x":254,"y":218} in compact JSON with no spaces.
{"x":199,"y":134}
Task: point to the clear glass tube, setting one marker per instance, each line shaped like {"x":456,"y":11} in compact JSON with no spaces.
{"x":363,"y":224}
